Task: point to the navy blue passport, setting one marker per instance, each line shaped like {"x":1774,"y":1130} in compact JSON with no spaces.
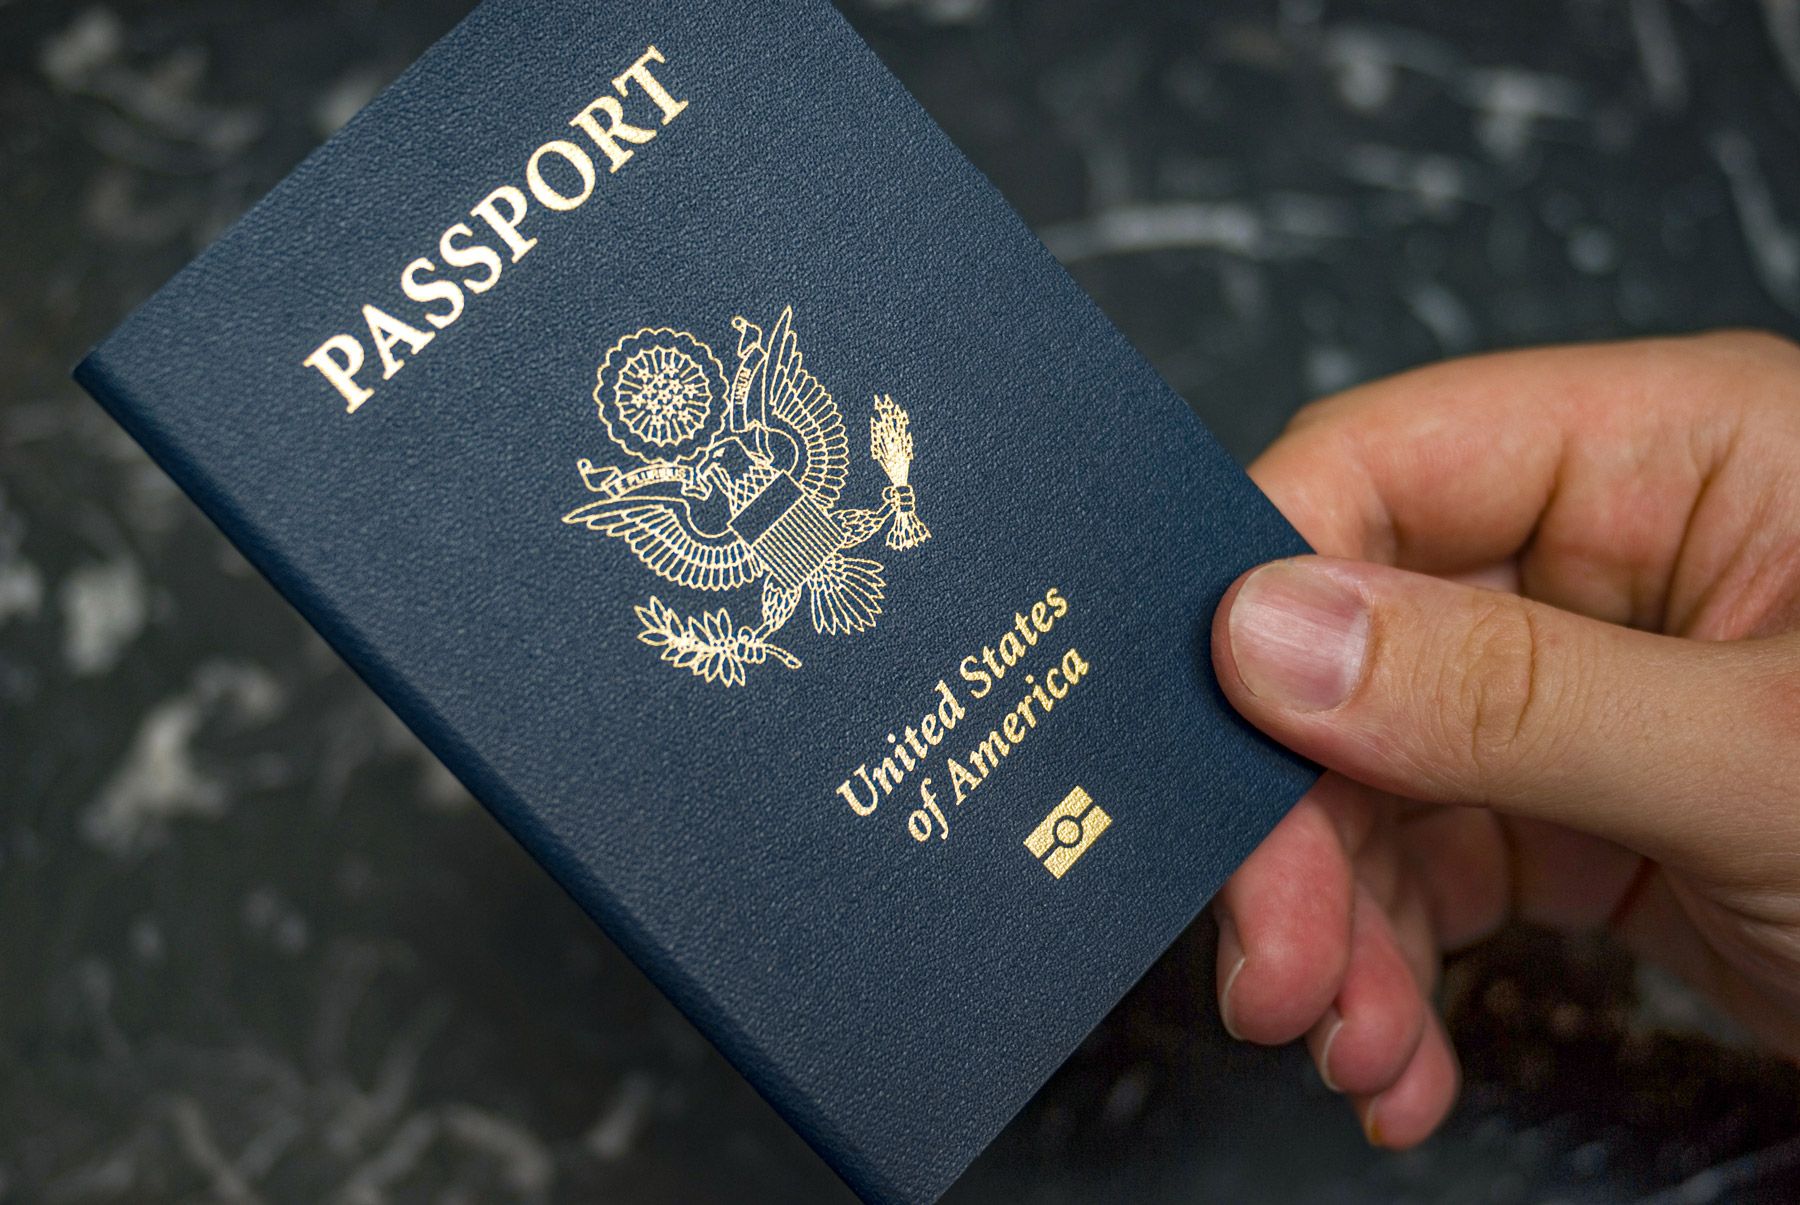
{"x":671,"y":426}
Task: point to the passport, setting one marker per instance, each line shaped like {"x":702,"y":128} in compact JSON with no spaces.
{"x":649,"y":402}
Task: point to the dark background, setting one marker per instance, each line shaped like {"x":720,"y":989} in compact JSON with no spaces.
{"x":256,"y":945}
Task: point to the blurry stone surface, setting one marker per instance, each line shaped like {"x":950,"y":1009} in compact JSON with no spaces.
{"x":256,"y":945}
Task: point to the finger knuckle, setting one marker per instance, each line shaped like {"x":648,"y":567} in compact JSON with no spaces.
{"x":1497,"y":688}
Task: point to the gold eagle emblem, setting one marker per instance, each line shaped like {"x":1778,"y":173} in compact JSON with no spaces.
{"x":738,"y":482}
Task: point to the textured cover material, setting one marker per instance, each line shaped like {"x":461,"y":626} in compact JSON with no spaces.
{"x":696,"y":452}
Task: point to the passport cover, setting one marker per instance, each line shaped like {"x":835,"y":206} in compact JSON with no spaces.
{"x":671,"y":426}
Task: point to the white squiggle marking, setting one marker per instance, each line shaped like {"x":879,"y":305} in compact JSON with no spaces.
{"x":21,"y":585}
{"x":614,"y":1134}
{"x":1593,"y":251}
{"x":1331,"y":369}
{"x":1222,"y":226}
{"x":1443,"y":314}
{"x":88,"y":45}
{"x":269,"y":916}
{"x":200,"y":1147}
{"x":89,"y":57}
{"x":345,"y":98}
{"x":941,"y":12}
{"x":104,"y":608}
{"x":439,"y":789}
{"x":1660,"y":53}
{"x":527,"y":1167}
{"x":159,"y":781}
{"x":364,"y":1115}
{"x":1774,"y":247}
{"x":369,"y":1183}
{"x":1782,"y":18}
{"x":1440,"y":185}
{"x":1365,"y":73}
{"x":1510,"y":103}
{"x":21,"y":590}
{"x":147,"y":941}
{"x":1368,"y":62}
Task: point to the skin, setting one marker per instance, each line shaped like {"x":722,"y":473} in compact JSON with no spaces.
{"x":1550,"y":657}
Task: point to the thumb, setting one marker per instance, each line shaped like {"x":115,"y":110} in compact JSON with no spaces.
{"x":1683,"y":750}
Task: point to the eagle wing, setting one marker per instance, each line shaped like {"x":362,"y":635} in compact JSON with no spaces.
{"x":661,"y":532}
{"x":794,"y":398}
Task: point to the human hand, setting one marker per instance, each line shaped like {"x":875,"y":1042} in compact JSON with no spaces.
{"x":1569,"y":608}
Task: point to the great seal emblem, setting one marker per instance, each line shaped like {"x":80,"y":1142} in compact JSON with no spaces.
{"x":737,"y":483}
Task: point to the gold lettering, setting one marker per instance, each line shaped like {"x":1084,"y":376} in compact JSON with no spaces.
{"x":548,"y":197}
{"x":961,"y":779}
{"x":979,"y":679}
{"x":919,"y":823}
{"x":639,"y":73}
{"x":388,"y":331}
{"x":986,"y":756}
{"x":888,"y":775}
{"x":949,"y":710}
{"x":506,"y":227}
{"x":851,"y":797}
{"x":341,"y":373}
{"x":434,"y":290}
{"x":607,"y":137}
{"x":909,"y":748}
{"x":469,"y":257}
{"x":474,"y":266}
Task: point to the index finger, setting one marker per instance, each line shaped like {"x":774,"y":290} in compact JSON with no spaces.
{"x":1459,"y":466}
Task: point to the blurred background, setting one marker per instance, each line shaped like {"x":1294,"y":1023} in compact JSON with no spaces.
{"x":256,"y":945}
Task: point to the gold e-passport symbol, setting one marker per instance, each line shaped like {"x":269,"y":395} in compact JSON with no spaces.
{"x":1065,"y":834}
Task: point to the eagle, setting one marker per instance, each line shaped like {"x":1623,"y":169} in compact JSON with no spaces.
{"x":759,"y":502}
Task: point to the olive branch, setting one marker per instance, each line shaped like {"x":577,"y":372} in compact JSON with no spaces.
{"x":708,"y":644}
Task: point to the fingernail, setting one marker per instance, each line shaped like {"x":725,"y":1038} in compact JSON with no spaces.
{"x":1231,"y":954}
{"x":1225,"y":998}
{"x":1298,"y":635}
{"x":1371,"y":1127}
{"x":1334,"y":1026}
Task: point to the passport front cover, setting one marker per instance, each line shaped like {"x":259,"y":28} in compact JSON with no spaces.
{"x":697,"y":453}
